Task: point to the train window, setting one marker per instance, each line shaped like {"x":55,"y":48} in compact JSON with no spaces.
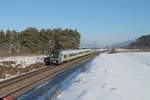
{"x":70,"y":55}
{"x":81,"y":52}
{"x":76,"y":53}
{"x":73,"y":54}
{"x":65,"y":56}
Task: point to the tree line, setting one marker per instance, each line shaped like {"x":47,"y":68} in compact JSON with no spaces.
{"x":32,"y":40}
{"x":142,"y":42}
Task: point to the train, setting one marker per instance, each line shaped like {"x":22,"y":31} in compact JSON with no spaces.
{"x":61,"y":56}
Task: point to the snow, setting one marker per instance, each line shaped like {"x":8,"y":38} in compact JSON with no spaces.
{"x":19,"y":62}
{"x":119,"y":76}
{"x":23,"y":60}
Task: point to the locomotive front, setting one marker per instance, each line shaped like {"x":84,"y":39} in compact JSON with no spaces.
{"x":54,"y":58}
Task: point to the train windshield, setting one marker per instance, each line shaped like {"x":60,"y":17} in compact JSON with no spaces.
{"x":54,"y":54}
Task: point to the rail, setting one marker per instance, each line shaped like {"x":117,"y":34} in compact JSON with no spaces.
{"x":23,"y":83}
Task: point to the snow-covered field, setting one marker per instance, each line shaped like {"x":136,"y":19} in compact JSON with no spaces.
{"x":23,"y":61}
{"x":15,"y":65}
{"x":120,"y":76}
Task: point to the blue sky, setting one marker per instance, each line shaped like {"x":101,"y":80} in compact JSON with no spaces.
{"x":103,"y":22}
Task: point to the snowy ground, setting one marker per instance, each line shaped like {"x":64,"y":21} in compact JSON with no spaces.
{"x":15,"y":65}
{"x":120,"y":76}
{"x":23,"y":61}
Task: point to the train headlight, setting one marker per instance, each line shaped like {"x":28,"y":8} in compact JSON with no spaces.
{"x":54,"y":61}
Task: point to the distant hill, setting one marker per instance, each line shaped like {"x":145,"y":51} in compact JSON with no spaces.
{"x":141,"y":42}
{"x":122,"y":44}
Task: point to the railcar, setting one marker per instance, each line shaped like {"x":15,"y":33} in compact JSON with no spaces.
{"x":58,"y":56}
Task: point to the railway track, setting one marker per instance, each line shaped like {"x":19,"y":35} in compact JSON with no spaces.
{"x":17,"y":86}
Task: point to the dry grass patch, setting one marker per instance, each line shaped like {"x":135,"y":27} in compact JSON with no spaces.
{"x":10,"y":68}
